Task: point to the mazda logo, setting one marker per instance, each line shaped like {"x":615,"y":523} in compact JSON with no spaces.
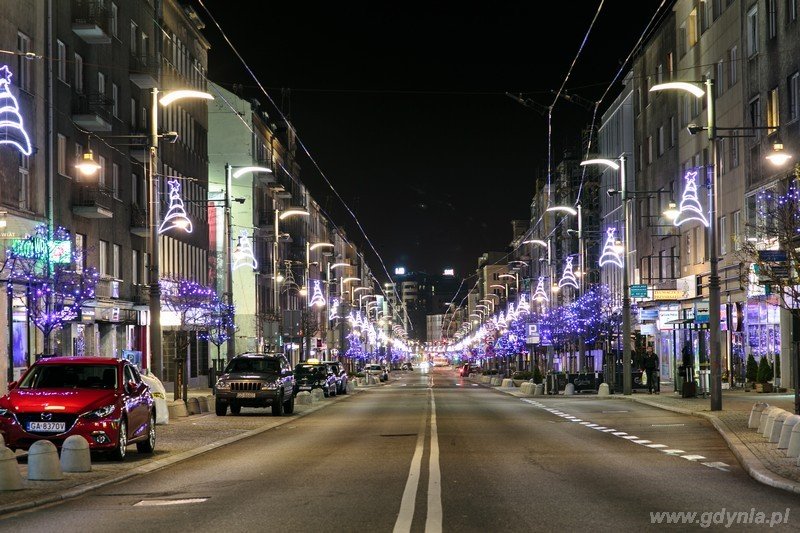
{"x":47,"y":416}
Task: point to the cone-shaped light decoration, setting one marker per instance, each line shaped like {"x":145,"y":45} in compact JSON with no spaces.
{"x":568,"y":277}
{"x":333,"y":313}
{"x":176,"y":216}
{"x":316,"y":300}
{"x":690,"y":208}
{"x":540,"y":295}
{"x":610,"y":255}
{"x":243,"y":255}
{"x":12,"y":129}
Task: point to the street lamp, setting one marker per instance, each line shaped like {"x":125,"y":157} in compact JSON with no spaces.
{"x":281,"y":215}
{"x":515,"y":277}
{"x":627,"y":378}
{"x":156,"y":342}
{"x":498,"y":286}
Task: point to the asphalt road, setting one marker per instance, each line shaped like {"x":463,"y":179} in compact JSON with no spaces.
{"x":433,"y":452}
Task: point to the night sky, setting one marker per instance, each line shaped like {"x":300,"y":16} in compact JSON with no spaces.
{"x":403,"y":107}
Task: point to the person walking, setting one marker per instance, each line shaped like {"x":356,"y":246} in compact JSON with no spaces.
{"x":651,"y":370}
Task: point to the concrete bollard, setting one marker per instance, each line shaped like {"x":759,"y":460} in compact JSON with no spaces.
{"x":786,"y":431}
{"x":202,"y":401}
{"x":762,"y":423}
{"x":755,"y":414}
{"x":43,"y":464}
{"x":507,"y":383}
{"x":303,"y":398}
{"x":538,"y":389}
{"x":569,"y":390}
{"x":770,"y":422}
{"x":793,"y":450}
{"x":75,"y":456}
{"x":603,"y":390}
{"x":177,"y":409}
{"x":10,"y":478}
{"x":526,"y":388}
{"x":351,"y":385}
{"x":193,"y":406}
{"x":317,"y":395}
{"x":774,"y":434}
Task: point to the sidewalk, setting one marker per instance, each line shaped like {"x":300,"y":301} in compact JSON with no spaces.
{"x":761,"y":459}
{"x":182,"y":438}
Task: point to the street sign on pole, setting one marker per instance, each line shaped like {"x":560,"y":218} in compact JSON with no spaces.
{"x":772,"y":256}
{"x":532,"y":334}
{"x":638,"y":291}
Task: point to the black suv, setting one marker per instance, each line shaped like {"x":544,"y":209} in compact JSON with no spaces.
{"x":340,"y":374}
{"x":314,"y":375}
{"x":256,"y":380}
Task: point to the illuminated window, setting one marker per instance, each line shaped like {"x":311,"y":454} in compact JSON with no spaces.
{"x":691,"y":28}
{"x":773,"y":110}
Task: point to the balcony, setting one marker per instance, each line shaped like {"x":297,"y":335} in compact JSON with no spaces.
{"x":139,"y":221}
{"x":92,"y":201}
{"x":144,"y":71}
{"x":92,"y":112}
{"x":278,"y":191}
{"x":91,"y":21}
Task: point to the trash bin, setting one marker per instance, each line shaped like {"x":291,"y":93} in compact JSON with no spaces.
{"x":689,"y":388}
{"x":212,"y":377}
{"x":679,"y":378}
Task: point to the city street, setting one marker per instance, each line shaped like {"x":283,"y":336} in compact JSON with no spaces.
{"x":430,"y":452}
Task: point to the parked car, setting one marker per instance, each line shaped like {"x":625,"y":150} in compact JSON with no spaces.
{"x":376,"y":370}
{"x":256,"y":380}
{"x":340,"y":374}
{"x":407,"y":366}
{"x":102,"y":399}
{"x":314,"y":375}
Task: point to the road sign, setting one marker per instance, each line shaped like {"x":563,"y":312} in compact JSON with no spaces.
{"x":532,"y":334}
{"x":638,"y":291}
{"x":772,"y":256}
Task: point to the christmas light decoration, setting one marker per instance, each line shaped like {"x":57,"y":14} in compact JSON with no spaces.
{"x":316,"y":300}
{"x":243,"y":255}
{"x":333,"y":313}
{"x":540,"y":295}
{"x":568,"y":278}
{"x":176,"y":216}
{"x":610,"y":255}
{"x":12,"y":129}
{"x":690,"y":208}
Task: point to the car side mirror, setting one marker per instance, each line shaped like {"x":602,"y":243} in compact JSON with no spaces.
{"x":130,"y":386}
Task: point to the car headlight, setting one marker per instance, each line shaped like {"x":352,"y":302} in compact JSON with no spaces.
{"x":270,"y":385}
{"x":102,"y":412}
{"x":222,"y":385}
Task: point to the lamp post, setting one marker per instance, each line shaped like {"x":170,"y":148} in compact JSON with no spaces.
{"x":627,"y":378}
{"x":498,"y":286}
{"x":281,"y":215}
{"x":713,"y":278}
{"x":515,"y":277}
{"x":156,"y":340}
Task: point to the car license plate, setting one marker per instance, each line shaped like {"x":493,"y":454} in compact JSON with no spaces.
{"x":51,"y":427}
{"x":245,"y":394}
{"x":305,"y":387}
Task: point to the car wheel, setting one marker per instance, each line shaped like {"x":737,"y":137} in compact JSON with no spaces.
{"x":334,"y":391}
{"x":288,"y":407}
{"x":147,"y":446}
{"x":236,"y":409}
{"x":122,"y":442}
{"x":221,"y":408}
{"x":277,"y":407}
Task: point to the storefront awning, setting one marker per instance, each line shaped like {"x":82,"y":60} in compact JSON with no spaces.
{"x":686,"y":323}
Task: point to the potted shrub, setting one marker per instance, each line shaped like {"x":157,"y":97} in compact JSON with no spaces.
{"x":751,"y":372}
{"x":764,"y":375}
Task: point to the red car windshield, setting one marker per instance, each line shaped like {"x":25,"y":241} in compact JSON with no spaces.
{"x":71,"y":377}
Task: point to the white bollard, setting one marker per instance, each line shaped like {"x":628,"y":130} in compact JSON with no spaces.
{"x":526,"y":388}
{"x":770,"y":422}
{"x":10,"y":478}
{"x":303,"y":398}
{"x":43,"y":464}
{"x":762,"y":422}
{"x":786,"y":431}
{"x":793,"y":450}
{"x":193,"y":406}
{"x":538,"y":389}
{"x":507,"y":383}
{"x":569,"y":390}
{"x":603,"y":390}
{"x":75,"y":456}
{"x":755,"y":414}
{"x":317,"y":395}
{"x":774,"y":434}
{"x":351,"y":385}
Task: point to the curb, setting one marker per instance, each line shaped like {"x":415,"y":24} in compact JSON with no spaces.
{"x":80,"y":490}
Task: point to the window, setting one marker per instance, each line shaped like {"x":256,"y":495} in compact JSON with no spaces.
{"x":661,"y":140}
{"x":755,"y":114}
{"x":638,"y":101}
{"x":61,"y":59}
{"x":115,"y":264}
{"x":722,"y":155}
{"x":720,"y":78}
{"x":723,"y":236}
{"x":134,"y":38}
{"x":670,"y":66}
{"x":649,"y":149}
{"x":102,"y":258}
{"x":23,"y":62}
{"x":143,"y":49}
{"x":773,"y":113}
{"x":134,"y":112}
{"x":673,"y":131}
{"x":78,"y":158}
{"x":101,"y":172}
{"x":115,"y":180}
{"x":115,"y":100}
{"x":62,"y":155}
{"x":114,"y":19}
{"x":135,"y":267}
{"x":736,"y":235}
{"x":791,"y":10}
{"x":793,"y":87}
{"x":734,"y":152}
{"x":24,"y":182}
{"x":698,"y":244}
{"x":752,"y":31}
{"x":772,"y":19}
{"x":708,"y":13}
{"x":101,"y":84}
{"x":135,"y":190}
{"x":146,"y":268}
{"x":691,"y":29}
{"x":733,"y":67}
{"x":660,"y":73}
{"x":80,"y":252}
{"x":78,"y":81}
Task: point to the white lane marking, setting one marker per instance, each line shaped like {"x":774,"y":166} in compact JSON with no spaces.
{"x":433,"y":524}
{"x":585,"y":424}
{"x":573,"y":419}
{"x":656,"y":445}
{"x":608,"y":430}
{"x":673,"y":452}
{"x":691,"y":457}
{"x":619,"y":433}
{"x":406,"y":513}
{"x":718,"y":465}
{"x":642,"y":441}
{"x":666,"y":425}
{"x":158,"y":503}
{"x":590,"y":425}
{"x":629,"y":437}
{"x":600,"y":428}
{"x":475,"y":385}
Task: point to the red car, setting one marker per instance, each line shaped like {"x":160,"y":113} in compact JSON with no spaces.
{"x":99,"y":398}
